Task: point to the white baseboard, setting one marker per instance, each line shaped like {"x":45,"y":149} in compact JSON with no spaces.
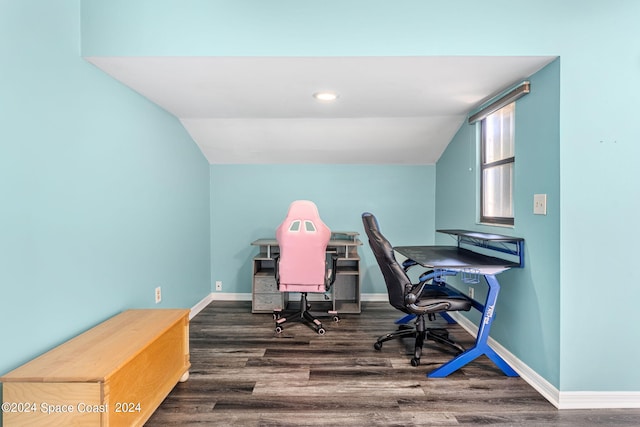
{"x":228,"y":296}
{"x":599,"y":399}
{"x":200,"y":306}
{"x":217,"y":296}
{"x":559,"y":399}
{"x":374,"y":297}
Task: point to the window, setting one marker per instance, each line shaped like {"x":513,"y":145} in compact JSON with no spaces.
{"x":497,"y":165}
{"x":497,"y":160}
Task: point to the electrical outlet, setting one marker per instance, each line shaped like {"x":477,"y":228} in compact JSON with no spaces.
{"x":158,"y":295}
{"x":218,"y":285}
{"x":471,"y":292}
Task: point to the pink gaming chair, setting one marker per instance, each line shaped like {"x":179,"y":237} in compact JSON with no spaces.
{"x":301,"y":265}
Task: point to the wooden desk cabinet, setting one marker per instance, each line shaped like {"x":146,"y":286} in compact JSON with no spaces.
{"x":344,"y":296}
{"x":115,"y":374}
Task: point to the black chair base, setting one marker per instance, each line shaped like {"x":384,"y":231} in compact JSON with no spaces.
{"x":420,"y":334}
{"x":302,"y":315}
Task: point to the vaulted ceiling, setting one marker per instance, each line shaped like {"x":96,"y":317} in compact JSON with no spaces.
{"x":389,"y":110}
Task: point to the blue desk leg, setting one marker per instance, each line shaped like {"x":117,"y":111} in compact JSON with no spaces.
{"x":481,"y":347}
{"x":406,"y":319}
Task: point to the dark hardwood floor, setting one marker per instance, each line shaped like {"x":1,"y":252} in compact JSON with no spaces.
{"x":242,"y":374}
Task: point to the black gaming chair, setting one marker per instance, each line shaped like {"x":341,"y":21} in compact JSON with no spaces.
{"x":419,"y":299}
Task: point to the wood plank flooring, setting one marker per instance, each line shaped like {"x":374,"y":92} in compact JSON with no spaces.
{"x":243,"y":374}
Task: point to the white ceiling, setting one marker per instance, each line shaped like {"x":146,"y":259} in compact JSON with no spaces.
{"x":390,"y":110}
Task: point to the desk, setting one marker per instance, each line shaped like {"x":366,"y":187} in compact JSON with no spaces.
{"x":344,"y":296}
{"x":451,"y":260}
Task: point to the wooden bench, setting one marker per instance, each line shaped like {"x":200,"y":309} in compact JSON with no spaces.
{"x":115,"y":374}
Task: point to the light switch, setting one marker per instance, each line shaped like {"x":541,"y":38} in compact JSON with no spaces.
{"x":540,"y":204}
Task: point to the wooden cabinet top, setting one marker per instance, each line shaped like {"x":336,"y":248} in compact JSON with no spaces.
{"x":93,"y":355}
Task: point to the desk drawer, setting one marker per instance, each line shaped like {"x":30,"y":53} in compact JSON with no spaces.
{"x":267,"y":302}
{"x":265,"y":284}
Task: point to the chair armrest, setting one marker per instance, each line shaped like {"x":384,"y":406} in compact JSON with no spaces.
{"x":332,"y":273}
{"x":429,"y":309}
{"x":412,"y":292}
{"x":436,"y":276}
{"x":276,"y":270}
{"x":407,"y":264}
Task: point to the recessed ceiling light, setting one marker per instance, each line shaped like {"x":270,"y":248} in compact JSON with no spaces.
{"x":325,"y":96}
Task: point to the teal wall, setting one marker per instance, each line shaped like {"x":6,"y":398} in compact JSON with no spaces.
{"x":528,"y":311}
{"x":248,"y":202}
{"x":103,"y":195}
{"x":599,"y":81}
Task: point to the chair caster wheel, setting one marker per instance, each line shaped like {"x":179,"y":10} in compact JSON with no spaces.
{"x":415,"y":362}
{"x":279,"y":329}
{"x":321,"y":331}
{"x":336,"y":319}
{"x":377,"y":346}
